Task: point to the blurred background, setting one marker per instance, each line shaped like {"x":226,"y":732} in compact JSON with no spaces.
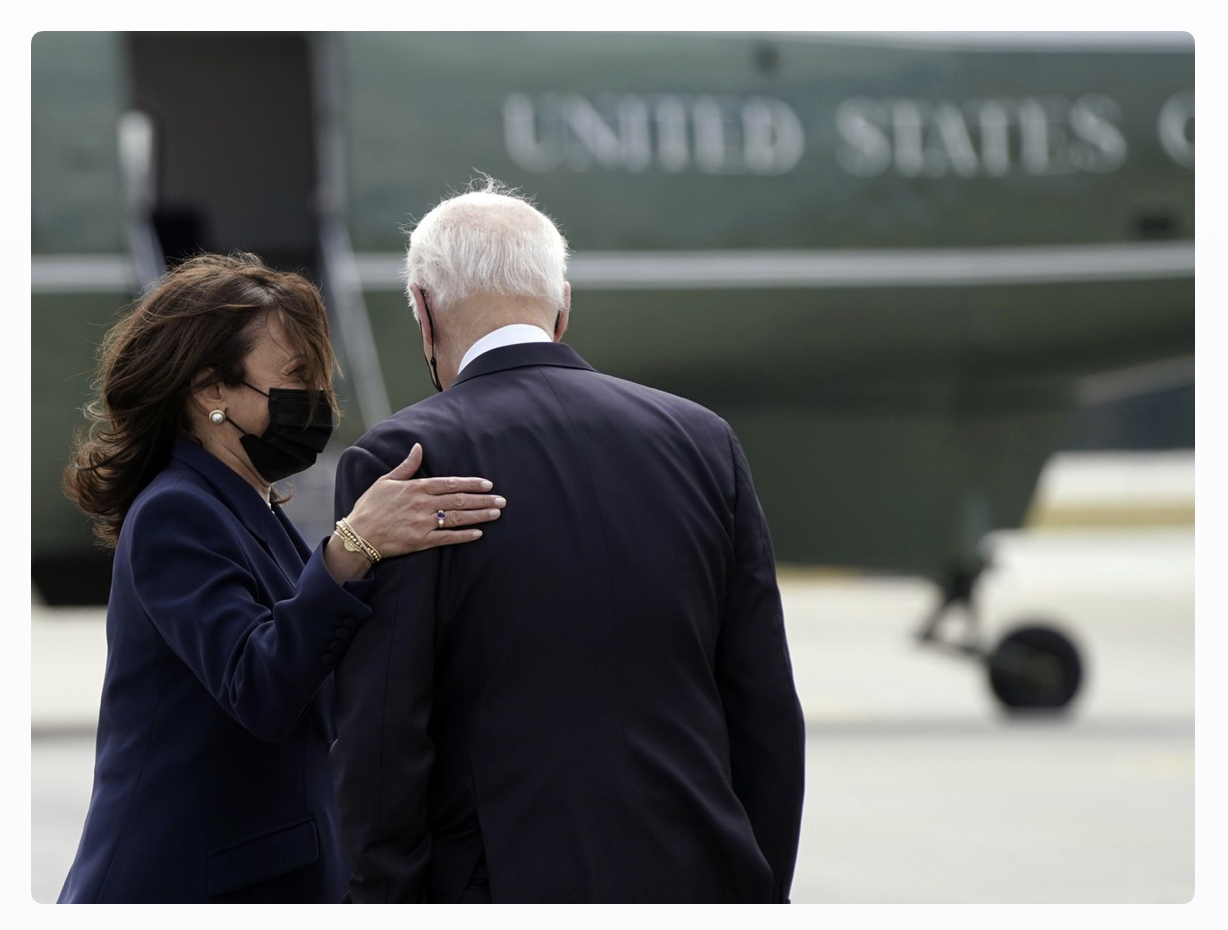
{"x":941,"y":284}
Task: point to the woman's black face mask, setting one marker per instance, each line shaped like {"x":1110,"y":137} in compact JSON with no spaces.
{"x":294,"y":437}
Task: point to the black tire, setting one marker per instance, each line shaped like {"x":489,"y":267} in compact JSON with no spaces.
{"x":1034,"y":668}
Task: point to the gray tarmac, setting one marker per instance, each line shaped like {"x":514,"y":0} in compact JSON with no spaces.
{"x":918,"y":788}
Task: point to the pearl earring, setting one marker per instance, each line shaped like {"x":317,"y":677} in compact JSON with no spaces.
{"x":217,"y":416}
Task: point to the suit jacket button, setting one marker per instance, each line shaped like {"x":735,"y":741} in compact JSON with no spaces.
{"x":341,"y":633}
{"x":351,"y":622}
{"x":337,"y":646}
{"x":328,"y":659}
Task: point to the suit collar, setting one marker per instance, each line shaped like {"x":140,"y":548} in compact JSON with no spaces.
{"x":510,"y":335}
{"x":556,"y":354}
{"x":271,"y":528}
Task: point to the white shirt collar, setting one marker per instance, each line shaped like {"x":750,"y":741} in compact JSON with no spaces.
{"x":511,"y":335}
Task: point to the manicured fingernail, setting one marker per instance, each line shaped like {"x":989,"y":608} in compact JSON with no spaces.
{"x":493,"y":514}
{"x":476,"y":533}
{"x":486,"y":485}
{"x":500,"y":502}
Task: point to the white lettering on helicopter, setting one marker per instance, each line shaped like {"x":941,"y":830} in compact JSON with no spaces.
{"x":1032,"y":135}
{"x":1175,"y":126}
{"x":671,"y":132}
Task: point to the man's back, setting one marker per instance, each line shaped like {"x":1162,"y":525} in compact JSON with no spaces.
{"x":593,"y":703}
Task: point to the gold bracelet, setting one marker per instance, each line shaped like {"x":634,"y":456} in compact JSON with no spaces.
{"x":355,"y":543}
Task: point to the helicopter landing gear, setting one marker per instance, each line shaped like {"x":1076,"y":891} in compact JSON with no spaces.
{"x":1034,"y":667}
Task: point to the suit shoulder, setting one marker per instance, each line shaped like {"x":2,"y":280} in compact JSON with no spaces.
{"x":427,"y":415}
{"x":681,"y":407}
{"x":176,"y":504}
{"x":173,"y":492}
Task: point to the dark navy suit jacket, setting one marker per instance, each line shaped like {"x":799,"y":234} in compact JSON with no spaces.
{"x":595,"y":701}
{"x":211,"y":778}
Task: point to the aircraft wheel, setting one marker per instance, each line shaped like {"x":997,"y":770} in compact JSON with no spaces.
{"x":1034,"y":668}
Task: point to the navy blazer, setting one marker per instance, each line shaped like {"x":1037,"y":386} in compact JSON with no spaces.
{"x":211,"y":777}
{"x":595,"y":702}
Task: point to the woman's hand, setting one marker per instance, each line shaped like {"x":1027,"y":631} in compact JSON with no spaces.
{"x":398,"y":514}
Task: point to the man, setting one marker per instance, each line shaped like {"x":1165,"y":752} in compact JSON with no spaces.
{"x":595,"y":702}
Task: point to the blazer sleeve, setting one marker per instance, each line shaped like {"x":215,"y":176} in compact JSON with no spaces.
{"x":382,"y":759}
{"x":767,"y":737}
{"x":261,"y":662}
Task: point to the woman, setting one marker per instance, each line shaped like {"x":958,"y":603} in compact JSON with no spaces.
{"x":211,"y":779}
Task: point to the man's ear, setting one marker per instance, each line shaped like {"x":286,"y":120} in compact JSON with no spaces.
{"x":560,"y":322}
{"x":424,"y":318}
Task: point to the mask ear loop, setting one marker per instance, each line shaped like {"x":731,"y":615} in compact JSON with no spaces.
{"x":232,"y":422}
{"x":434,"y":367}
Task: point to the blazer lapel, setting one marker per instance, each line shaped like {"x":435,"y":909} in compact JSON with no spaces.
{"x":301,"y":546}
{"x":282,"y":546}
{"x":248,"y":506}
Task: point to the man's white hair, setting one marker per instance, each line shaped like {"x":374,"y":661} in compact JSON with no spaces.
{"x":491,"y":240}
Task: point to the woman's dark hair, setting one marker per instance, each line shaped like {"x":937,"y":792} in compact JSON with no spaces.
{"x":196,"y":325}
